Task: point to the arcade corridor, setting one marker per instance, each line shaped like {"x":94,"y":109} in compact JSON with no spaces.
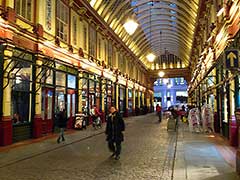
{"x":149,"y":152}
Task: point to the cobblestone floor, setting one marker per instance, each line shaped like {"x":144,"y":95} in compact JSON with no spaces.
{"x":148,"y":153}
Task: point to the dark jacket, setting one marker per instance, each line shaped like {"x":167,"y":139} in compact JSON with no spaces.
{"x":114,"y":128}
{"x":61,"y":119}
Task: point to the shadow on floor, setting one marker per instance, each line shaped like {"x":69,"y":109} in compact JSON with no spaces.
{"x":226,"y":176}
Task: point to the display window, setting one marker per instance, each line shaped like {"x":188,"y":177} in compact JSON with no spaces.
{"x":84,"y":94}
{"x":122,"y":98}
{"x":59,"y":98}
{"x":60,"y":79}
{"x":21,"y":87}
{"x":71,"y":95}
{"x":130,"y":100}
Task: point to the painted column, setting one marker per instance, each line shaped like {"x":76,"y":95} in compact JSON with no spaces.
{"x":37,"y":122}
{"x":6,"y":122}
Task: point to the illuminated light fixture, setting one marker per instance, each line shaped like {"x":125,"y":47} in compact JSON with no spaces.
{"x":151,"y":57}
{"x":130,"y":26}
{"x":165,"y":81}
{"x":161,"y":74}
{"x":220,"y":11}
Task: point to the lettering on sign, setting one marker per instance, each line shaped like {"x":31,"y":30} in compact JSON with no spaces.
{"x":48,"y":15}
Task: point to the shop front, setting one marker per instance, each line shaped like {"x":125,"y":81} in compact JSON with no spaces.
{"x":65,"y":92}
{"x":130,"y":102}
{"x":21,"y":81}
{"x":91,"y":90}
{"x":108,"y":91}
{"x":46,"y":74}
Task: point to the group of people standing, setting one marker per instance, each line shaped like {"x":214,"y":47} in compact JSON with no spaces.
{"x":114,"y":129}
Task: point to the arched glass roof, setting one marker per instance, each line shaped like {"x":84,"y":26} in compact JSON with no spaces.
{"x":164,"y":25}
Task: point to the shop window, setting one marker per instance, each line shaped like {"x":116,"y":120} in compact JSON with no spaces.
{"x":60,"y":79}
{"x":130,"y":100}
{"x":47,"y":76}
{"x":24,"y":8}
{"x":84,"y":94}
{"x":62,"y":21}
{"x":59,"y":99}
{"x":21,"y":86}
{"x":71,"y":81}
{"x":121,"y":99}
{"x":97,"y":94}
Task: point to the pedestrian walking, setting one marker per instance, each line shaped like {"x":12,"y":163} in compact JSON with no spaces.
{"x":62,"y":124}
{"x":159,"y":112}
{"x":114,"y":132}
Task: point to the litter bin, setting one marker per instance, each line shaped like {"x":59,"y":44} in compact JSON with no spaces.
{"x":80,"y":121}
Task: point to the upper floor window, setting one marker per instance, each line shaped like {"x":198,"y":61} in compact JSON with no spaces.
{"x":74,"y":30}
{"x":99,"y":48}
{"x":85,"y":38}
{"x":62,"y":21}
{"x":24,"y":8}
{"x":110,"y":53}
{"x":92,"y":41}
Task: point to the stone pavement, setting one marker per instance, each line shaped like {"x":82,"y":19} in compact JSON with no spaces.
{"x":203,"y":157}
{"x":149,"y":152}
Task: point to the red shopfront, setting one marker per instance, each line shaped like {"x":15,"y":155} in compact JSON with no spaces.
{"x":59,"y":92}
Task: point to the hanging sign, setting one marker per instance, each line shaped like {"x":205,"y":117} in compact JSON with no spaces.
{"x":232,"y":59}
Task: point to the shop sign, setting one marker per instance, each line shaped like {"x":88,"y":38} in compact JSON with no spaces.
{"x":232,"y":59}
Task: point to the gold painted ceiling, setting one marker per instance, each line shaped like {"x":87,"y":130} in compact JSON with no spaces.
{"x":164,"y":25}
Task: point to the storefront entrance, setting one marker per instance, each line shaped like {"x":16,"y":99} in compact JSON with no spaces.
{"x":47,"y":110}
{"x":71,"y":107}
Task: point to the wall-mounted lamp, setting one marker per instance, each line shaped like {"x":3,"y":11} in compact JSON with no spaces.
{"x":161,"y":74}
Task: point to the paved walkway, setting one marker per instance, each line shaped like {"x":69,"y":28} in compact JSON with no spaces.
{"x":149,"y":152}
{"x":203,"y":157}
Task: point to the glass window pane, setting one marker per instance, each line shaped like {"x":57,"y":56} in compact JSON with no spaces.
{"x":71,"y":81}
{"x":50,"y":103}
{"x":68,"y":105}
{"x":73,"y":104}
{"x":60,"y":79}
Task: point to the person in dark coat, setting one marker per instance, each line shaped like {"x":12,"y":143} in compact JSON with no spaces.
{"x":62,"y":124}
{"x":114,"y":132}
